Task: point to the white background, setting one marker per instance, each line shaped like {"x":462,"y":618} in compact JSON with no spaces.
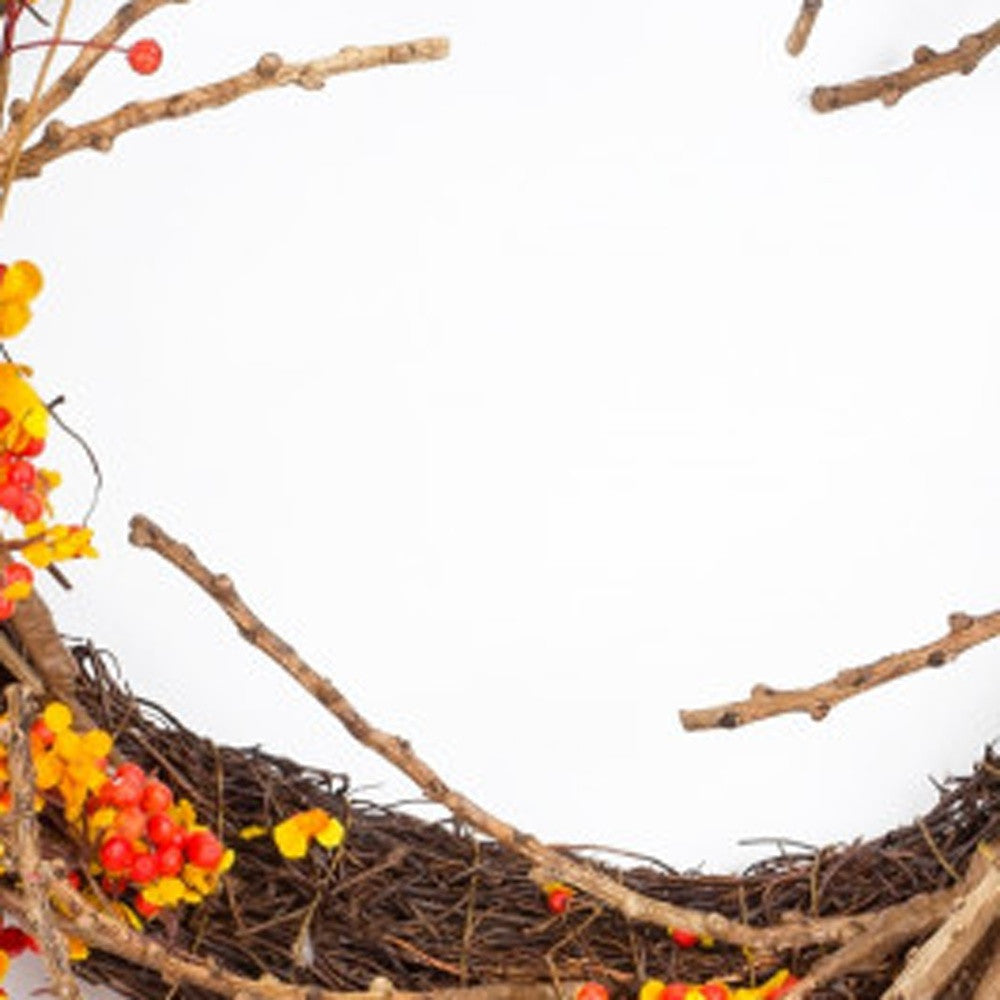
{"x":540,"y":393}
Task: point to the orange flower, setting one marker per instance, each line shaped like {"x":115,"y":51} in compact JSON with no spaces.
{"x":293,"y":835}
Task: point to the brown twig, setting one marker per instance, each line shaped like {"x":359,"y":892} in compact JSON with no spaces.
{"x":108,"y":934}
{"x":927,"y":65}
{"x":270,"y":71}
{"x":798,"y":37}
{"x":965,"y":631}
{"x":21,"y":128}
{"x":938,"y":960}
{"x":797,"y":931}
{"x":37,"y":631}
{"x":989,"y":985}
{"x":89,"y":56}
{"x":26,"y":848}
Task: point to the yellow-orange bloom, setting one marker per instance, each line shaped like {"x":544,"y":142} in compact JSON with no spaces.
{"x":20,"y":283}
{"x":293,"y":835}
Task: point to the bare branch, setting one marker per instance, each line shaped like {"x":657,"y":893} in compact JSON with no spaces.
{"x":965,"y":632}
{"x":927,"y":65}
{"x":890,"y":931}
{"x":89,"y":56}
{"x":989,"y":984}
{"x":270,"y":71}
{"x":938,"y":960}
{"x":102,"y":931}
{"x":798,"y":37}
{"x":27,"y":850}
{"x":797,"y":931}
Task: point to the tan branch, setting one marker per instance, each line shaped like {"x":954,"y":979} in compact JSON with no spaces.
{"x":59,"y":139}
{"x":892,"y":929}
{"x":927,"y":65}
{"x":89,"y":56}
{"x":797,"y":931}
{"x":938,"y":960}
{"x":989,"y":985}
{"x":176,"y":967}
{"x":965,"y":631}
{"x":798,"y":37}
{"x":27,"y":851}
{"x":37,"y":630}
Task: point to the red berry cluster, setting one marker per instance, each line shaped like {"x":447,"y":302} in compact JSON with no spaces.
{"x":147,"y":838}
{"x":22,"y":489}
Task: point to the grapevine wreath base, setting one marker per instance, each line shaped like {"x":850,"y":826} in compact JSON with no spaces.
{"x":403,"y":905}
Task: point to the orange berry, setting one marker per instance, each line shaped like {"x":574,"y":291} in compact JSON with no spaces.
{"x":591,"y":991}
{"x":156,"y":797}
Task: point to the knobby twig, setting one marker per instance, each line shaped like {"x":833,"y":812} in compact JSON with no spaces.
{"x":89,"y":56}
{"x":927,"y":65}
{"x":965,"y":631}
{"x":797,"y":931}
{"x":270,"y":71}
{"x":26,"y":848}
{"x":883,"y":935}
{"x":21,"y":128}
{"x":937,"y":961}
{"x":798,"y":37}
{"x":102,"y":931}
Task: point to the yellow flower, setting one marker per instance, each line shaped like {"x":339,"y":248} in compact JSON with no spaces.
{"x":19,"y":284}
{"x":293,"y":835}
{"x":252,"y":832}
{"x":27,"y":416}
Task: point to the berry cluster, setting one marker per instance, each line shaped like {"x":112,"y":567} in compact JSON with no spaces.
{"x":778,"y":986}
{"x":24,"y":487}
{"x":151,"y":849}
{"x":147,"y":850}
{"x":13,"y":942}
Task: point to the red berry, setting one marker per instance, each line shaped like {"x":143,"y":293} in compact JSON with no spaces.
{"x":674,"y":991}
{"x":32,"y":447}
{"x":558,"y":900}
{"x":74,"y":879}
{"x":144,"y":869}
{"x":170,"y":860}
{"x":144,"y":907}
{"x":160,"y":829}
{"x":591,"y":991}
{"x":145,"y":56}
{"x":6,"y":609}
{"x":130,"y":772}
{"x":10,"y":496}
{"x":203,"y":850}
{"x":156,"y":797}
{"x":18,"y":573}
{"x":715,"y":991}
{"x":5,"y":417}
{"x":21,"y":473}
{"x":14,"y":941}
{"x":116,"y":855}
{"x":682,"y":938}
{"x":29,"y":509}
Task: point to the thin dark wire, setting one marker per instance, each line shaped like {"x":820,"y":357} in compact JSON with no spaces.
{"x":82,"y":442}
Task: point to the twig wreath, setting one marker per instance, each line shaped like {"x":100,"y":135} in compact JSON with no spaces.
{"x":141,"y":856}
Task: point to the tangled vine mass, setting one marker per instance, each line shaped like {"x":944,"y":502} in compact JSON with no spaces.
{"x":142,"y":856}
